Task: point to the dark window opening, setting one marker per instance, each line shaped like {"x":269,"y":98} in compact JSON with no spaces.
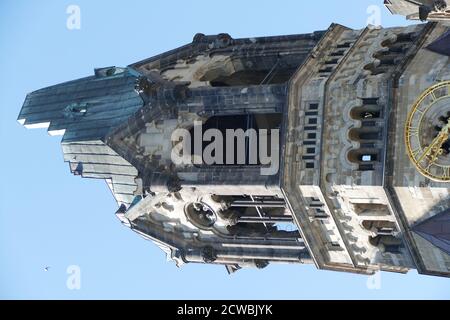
{"x":325,"y":70}
{"x":367,"y":145}
{"x":373,"y":101}
{"x":369,"y":135}
{"x":252,"y":77}
{"x":309,"y":165}
{"x":368,"y":157}
{"x":365,"y":134}
{"x":261,"y":216}
{"x":253,"y":70}
{"x":362,"y":156}
{"x":333,"y":61}
{"x":344,"y":45}
{"x":366,"y":167}
{"x":244,"y":77}
{"x":337,"y":53}
{"x":245,"y":122}
{"x":368,"y":123}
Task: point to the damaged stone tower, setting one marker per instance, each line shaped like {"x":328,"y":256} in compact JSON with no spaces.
{"x":363,"y":177}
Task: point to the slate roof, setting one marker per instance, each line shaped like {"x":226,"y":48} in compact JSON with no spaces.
{"x":436,"y":230}
{"x":441,"y":45}
{"x":108,"y":99}
{"x":84,"y":111}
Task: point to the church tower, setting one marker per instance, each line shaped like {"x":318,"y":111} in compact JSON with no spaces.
{"x":330,"y":148}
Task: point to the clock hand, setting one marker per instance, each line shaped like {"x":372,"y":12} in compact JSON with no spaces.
{"x":439,"y":140}
{"x":437,"y":150}
{"x":430,"y":147}
{"x":445,"y":135}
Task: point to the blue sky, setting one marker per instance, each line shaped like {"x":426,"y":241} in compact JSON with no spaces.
{"x":49,"y":217}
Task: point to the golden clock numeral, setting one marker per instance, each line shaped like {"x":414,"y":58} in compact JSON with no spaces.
{"x":446,"y":172}
{"x":415,"y":153}
{"x":427,"y":168}
{"x":433,"y":96}
{"x":413,"y":131}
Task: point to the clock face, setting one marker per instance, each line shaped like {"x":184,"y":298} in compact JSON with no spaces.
{"x":427,"y":133}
